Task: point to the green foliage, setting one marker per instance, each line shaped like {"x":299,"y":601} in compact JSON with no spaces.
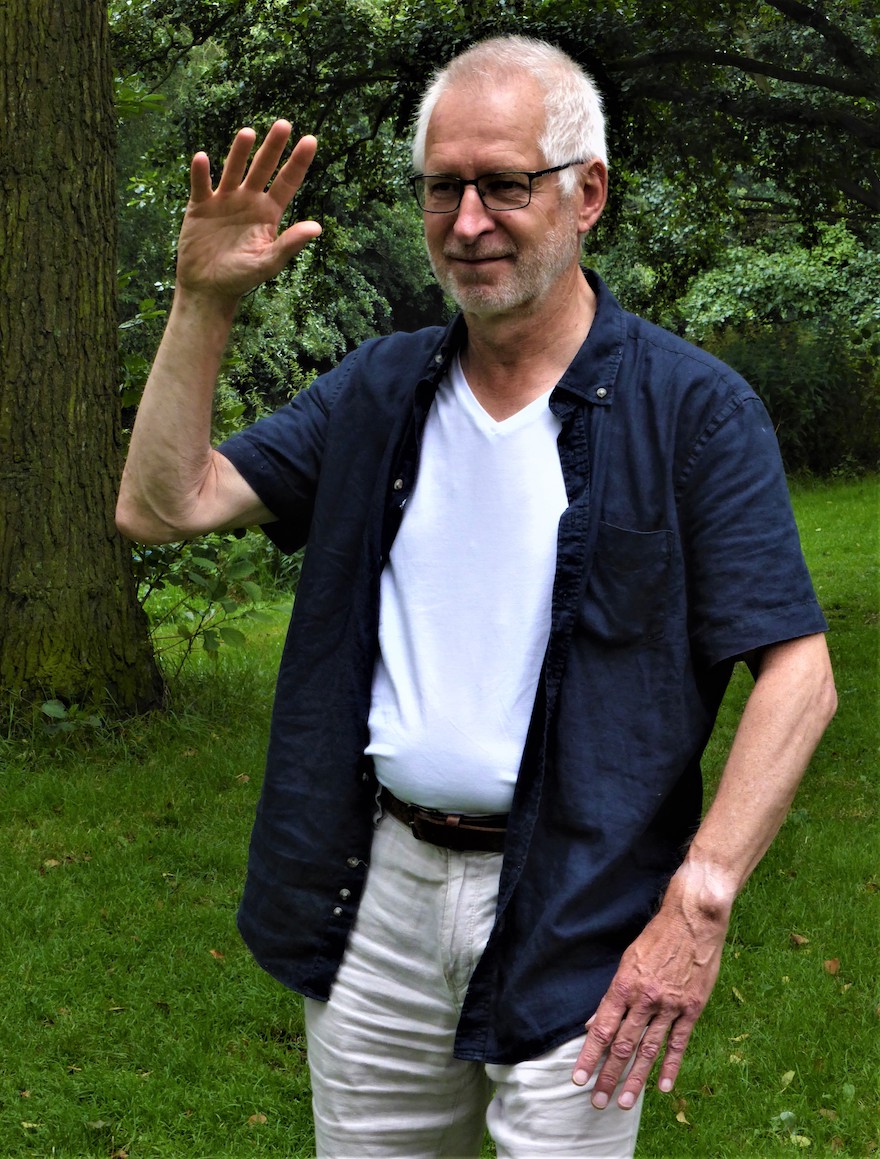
{"x":802,"y":323}
{"x":201,"y":593}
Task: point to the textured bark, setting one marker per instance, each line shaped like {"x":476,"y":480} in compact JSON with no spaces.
{"x":69,"y":620}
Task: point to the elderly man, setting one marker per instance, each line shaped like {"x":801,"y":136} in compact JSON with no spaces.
{"x":537,"y":543}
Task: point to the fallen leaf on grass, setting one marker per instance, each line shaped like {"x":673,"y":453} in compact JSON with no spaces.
{"x":828,"y":1113}
{"x":25,"y":1094}
{"x":800,"y":1140}
{"x":119,"y":1155}
{"x":836,"y":1144}
{"x":257,"y":1120}
{"x":32,"y":1126}
{"x":736,"y":994}
{"x":682,"y":1118}
{"x":741,"y":1037}
{"x":798,"y":940}
{"x":786,"y":1079}
{"x":832,"y":966}
{"x":216,"y":954}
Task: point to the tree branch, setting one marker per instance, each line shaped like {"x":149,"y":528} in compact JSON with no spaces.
{"x":844,"y":48}
{"x":747,"y":64}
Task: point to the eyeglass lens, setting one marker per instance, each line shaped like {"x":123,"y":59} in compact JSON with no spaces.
{"x":497,"y":191}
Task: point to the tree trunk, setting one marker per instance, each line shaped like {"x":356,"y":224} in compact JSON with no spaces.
{"x":70,"y":625}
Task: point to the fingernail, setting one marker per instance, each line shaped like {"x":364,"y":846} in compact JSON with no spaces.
{"x":600,"y":1100}
{"x":665,"y":1085}
{"x":579,"y":1078}
{"x":626,"y":1100}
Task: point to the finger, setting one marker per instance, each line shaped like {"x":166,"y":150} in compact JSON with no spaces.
{"x":646,"y":1055}
{"x":288,"y":244}
{"x":200,"y":178}
{"x":290,"y":175}
{"x":268,"y":155}
{"x":676,"y":1045}
{"x":620,"y":1055}
{"x":236,"y":161}
{"x":601,"y":1029}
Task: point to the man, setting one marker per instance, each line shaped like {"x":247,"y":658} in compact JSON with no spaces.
{"x":537,"y":543}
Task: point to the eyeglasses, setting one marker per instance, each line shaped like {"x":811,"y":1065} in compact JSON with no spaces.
{"x":439,"y":193}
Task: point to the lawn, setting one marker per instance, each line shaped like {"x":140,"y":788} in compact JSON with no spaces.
{"x":134,"y":1023}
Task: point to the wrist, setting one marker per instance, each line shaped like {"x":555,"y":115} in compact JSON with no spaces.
{"x":702,"y":890}
{"x":203,"y":307}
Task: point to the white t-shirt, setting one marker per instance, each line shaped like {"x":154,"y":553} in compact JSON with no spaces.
{"x":465,"y":605}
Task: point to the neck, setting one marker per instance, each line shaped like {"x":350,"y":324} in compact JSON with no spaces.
{"x":511,"y":359}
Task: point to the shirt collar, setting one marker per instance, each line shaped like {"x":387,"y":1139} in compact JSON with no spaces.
{"x":592,"y":373}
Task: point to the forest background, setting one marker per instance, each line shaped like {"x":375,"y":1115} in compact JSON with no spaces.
{"x":744,"y":207}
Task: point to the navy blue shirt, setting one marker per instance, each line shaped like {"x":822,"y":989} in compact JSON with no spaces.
{"x":677,"y":554}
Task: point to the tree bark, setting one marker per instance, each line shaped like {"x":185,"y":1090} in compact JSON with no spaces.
{"x":70,"y":625}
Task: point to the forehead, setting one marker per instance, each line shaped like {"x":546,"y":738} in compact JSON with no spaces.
{"x":485,"y":126}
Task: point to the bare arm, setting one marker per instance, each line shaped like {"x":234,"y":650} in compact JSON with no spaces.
{"x":667,"y":974}
{"x":174,"y":484}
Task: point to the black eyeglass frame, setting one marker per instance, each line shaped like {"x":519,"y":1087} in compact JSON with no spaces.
{"x":463,"y":182}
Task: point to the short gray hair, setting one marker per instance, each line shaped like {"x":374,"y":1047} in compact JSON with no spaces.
{"x":574,"y":126}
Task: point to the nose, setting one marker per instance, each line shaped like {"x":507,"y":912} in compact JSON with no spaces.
{"x":472,"y":217}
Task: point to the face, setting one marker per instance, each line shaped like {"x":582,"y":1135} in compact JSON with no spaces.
{"x":495,"y":263}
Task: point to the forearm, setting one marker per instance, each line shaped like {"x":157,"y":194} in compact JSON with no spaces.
{"x":784,"y":718}
{"x":170,"y":484}
{"x":667,"y":974}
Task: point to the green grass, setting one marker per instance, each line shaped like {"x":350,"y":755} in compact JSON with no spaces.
{"x":133,"y":1020}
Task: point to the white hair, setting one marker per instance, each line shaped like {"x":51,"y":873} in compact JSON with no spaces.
{"x":574,"y":127}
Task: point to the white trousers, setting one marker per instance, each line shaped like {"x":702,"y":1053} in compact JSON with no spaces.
{"x":384,"y":1080}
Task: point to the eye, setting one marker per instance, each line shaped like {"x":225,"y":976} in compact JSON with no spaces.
{"x":506,"y":187}
{"x":441,"y":187}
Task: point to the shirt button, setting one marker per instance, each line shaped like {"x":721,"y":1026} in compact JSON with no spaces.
{"x":438,"y":359}
{"x":345,"y":894}
{"x":353,"y":862}
{"x":601,"y":392}
{"x":397,"y":484}
{"x":337,"y":911}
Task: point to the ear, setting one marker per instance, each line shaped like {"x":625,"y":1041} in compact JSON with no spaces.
{"x":594,"y":194}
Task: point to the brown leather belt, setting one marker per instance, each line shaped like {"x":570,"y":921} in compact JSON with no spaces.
{"x":459,"y":831}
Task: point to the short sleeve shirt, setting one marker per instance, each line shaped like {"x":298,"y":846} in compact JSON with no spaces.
{"x":677,"y":554}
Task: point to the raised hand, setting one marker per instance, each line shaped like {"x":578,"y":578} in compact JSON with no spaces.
{"x":229,"y":242}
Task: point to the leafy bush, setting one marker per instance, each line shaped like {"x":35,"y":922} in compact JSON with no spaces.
{"x":205,"y":592}
{"x":823,"y":398}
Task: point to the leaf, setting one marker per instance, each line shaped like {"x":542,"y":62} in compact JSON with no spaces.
{"x":798,"y":940}
{"x":682,"y":1118}
{"x":233,"y":636}
{"x":55,"y":709}
{"x":737,"y":994}
{"x":832,"y":966}
{"x":800,"y":1140}
{"x":828,"y":1113}
{"x":216,"y":954}
{"x":240,"y":570}
{"x":786,"y":1079}
{"x":257,"y":1120}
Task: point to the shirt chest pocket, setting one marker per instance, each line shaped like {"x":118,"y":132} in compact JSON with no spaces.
{"x":626,"y":596}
